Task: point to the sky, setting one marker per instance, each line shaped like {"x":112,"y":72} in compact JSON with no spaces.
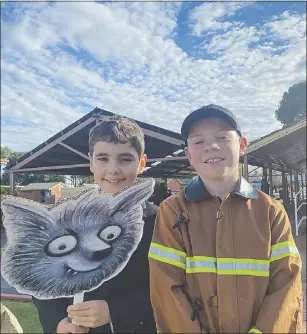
{"x":151,"y":61}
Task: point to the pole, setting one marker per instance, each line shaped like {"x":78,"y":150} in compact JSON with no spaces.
{"x":291,"y":185}
{"x":295,"y":214}
{"x":12,"y":182}
{"x":284,"y":186}
{"x":245,"y":167}
{"x":302,"y":186}
{"x":271,"y":179}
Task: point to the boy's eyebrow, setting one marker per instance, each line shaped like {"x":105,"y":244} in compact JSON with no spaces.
{"x":126,"y":154}
{"x":197,"y":135}
{"x":219,"y":130}
{"x":101,"y":154}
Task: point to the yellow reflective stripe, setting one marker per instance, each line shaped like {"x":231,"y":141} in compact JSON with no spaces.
{"x":201,"y":264}
{"x":260,"y":273}
{"x":168,"y":249}
{"x":254,"y":261}
{"x":227,"y":266}
{"x":282,"y":244}
{"x":254,"y":330}
{"x":251,"y":267}
{"x":283,"y":249}
{"x":200,"y":270}
{"x":201,"y":258}
{"x":165,"y":260}
{"x":167,"y":255}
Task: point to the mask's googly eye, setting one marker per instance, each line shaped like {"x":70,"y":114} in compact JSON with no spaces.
{"x":110,"y":233}
{"x":61,"y":245}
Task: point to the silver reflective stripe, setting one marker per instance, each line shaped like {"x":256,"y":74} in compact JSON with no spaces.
{"x":285,"y":250}
{"x":166,"y":255}
{"x":242,"y":266}
{"x":191,"y":264}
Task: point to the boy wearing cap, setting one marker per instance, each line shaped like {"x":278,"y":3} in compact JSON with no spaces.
{"x":222,"y":258}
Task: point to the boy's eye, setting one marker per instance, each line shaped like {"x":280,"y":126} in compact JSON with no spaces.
{"x":126,"y":160}
{"x":103,"y":159}
{"x":222,"y":137}
{"x":199,"y":142}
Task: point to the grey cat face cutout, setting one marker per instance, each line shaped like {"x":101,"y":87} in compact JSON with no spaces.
{"x":76,"y":245}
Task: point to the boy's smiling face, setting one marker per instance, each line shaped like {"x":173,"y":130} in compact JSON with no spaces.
{"x":214,"y":148}
{"x":115,"y":166}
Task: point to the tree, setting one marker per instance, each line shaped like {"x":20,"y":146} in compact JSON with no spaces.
{"x":6,"y":152}
{"x":292,"y":107}
{"x":79,"y":180}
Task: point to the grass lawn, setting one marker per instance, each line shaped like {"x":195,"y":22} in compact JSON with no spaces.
{"x":26,"y":314}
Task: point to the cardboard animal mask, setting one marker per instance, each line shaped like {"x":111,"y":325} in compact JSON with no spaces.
{"x":76,"y":245}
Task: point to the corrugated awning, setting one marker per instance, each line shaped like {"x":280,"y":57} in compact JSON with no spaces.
{"x":285,"y":147}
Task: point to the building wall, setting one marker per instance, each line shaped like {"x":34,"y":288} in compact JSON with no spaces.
{"x":56,"y":193}
{"x":73,"y":191}
{"x":33,"y":195}
{"x":174,"y":185}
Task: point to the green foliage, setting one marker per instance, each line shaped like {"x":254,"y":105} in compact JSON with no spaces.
{"x":5,"y":152}
{"x":292,"y":107}
{"x":5,"y":190}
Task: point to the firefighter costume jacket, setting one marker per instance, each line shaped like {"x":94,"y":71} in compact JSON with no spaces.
{"x":226,"y":266}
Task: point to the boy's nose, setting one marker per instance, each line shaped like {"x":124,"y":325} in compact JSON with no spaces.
{"x":211,"y":147}
{"x":113,"y":168}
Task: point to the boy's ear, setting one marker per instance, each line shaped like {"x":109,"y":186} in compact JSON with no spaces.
{"x":187,"y":153}
{"x":142,"y":164}
{"x":133,"y":196}
{"x":243,"y":146}
{"x":91,"y":161}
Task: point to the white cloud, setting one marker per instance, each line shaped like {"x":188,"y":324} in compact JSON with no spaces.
{"x":288,"y":26}
{"x":212,"y":16}
{"x":60,"y":60}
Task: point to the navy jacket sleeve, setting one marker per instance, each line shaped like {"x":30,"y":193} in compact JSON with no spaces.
{"x":51,"y":312}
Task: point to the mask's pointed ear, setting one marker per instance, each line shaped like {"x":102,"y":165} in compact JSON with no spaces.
{"x":135,"y":195}
{"x":23,"y":212}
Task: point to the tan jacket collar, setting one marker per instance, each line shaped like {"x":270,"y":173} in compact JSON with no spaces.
{"x":196,"y":191}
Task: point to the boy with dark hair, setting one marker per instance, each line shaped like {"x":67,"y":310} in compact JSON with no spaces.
{"x":122,"y":304}
{"x":223,"y":258}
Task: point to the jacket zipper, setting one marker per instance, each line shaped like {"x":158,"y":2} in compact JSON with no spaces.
{"x":219,"y":212}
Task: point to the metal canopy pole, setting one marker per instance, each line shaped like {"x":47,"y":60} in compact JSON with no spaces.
{"x":302,"y":186}
{"x":291,"y":186}
{"x":12,"y":182}
{"x":296,"y":184}
{"x":271,"y":179}
{"x":245,"y":167}
{"x":265,"y":177}
{"x":284,"y":186}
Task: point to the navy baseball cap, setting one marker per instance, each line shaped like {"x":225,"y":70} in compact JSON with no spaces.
{"x":211,"y":110}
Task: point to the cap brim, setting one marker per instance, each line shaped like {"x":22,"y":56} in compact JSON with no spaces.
{"x":199,"y":114}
